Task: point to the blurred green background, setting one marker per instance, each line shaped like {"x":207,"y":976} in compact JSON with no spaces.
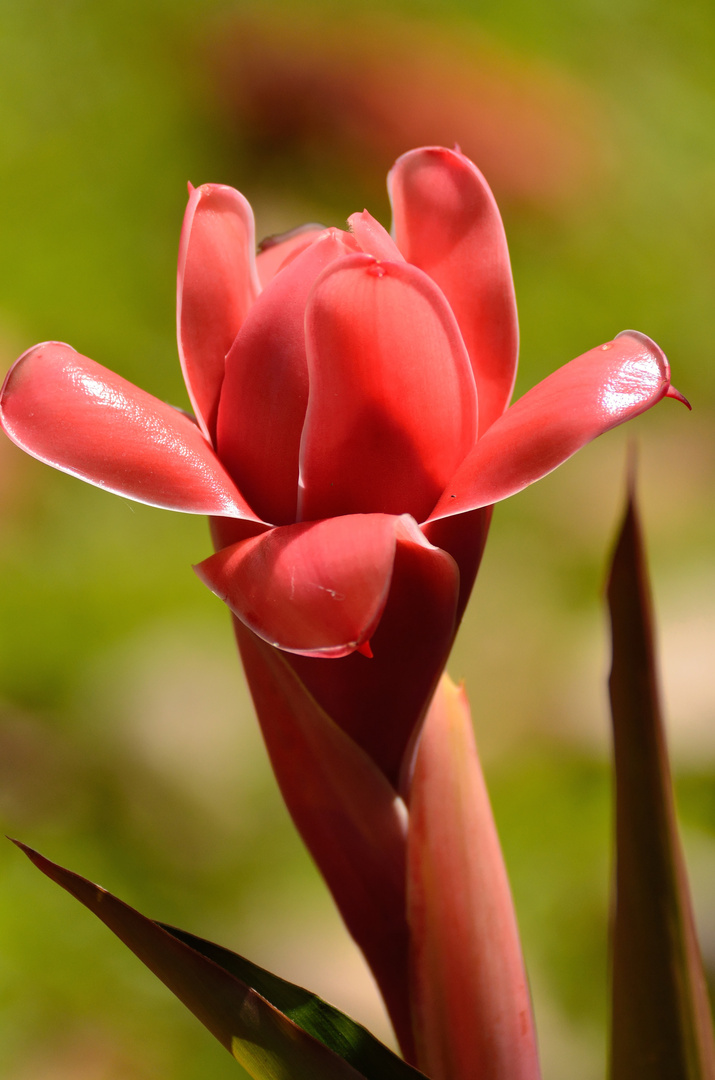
{"x":128,"y":750}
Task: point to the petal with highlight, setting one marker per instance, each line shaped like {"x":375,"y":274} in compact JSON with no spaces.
{"x":392,"y":407}
{"x":317,"y":588}
{"x":447,"y":222}
{"x":216,"y":285}
{"x":586,"y":397}
{"x":265,"y":391}
{"x":81,"y":418}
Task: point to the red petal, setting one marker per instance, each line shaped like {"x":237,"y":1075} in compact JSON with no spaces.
{"x":471,"y":1008}
{"x":276,"y":251}
{"x":76,"y":415}
{"x":447,"y":222}
{"x":592,"y":394}
{"x":347,"y":813}
{"x":392,"y":406}
{"x":217,"y":283}
{"x":373,"y":238}
{"x":317,"y":588}
{"x":265,"y":391}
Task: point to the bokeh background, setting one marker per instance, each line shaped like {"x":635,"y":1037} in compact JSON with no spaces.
{"x":128,"y":749}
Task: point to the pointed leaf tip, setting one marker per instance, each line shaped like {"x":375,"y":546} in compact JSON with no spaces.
{"x":470,"y":994}
{"x":661,"y":1025}
{"x":212,"y":983}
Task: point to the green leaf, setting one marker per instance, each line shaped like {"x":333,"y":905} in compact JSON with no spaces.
{"x":661,"y":1023}
{"x":350,"y":1040}
{"x":277,"y":1031}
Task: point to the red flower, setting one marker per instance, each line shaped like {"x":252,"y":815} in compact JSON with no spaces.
{"x":351,"y":436}
{"x":338,"y":405}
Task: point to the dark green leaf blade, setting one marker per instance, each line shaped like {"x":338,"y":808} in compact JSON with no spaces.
{"x":268,"y":1044}
{"x":661,"y":1023}
{"x":350,"y":1040}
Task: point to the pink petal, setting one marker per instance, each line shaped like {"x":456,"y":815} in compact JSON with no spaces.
{"x":217,"y":283}
{"x":349,"y":816}
{"x":265,"y":391}
{"x":373,"y":238}
{"x":276,"y":251}
{"x":76,"y":415}
{"x":318,"y":588}
{"x":447,"y":222}
{"x":592,"y":394}
{"x":471,"y":1008}
{"x":392,"y":406}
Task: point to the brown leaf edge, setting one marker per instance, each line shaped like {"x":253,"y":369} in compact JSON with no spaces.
{"x":661,"y":1027}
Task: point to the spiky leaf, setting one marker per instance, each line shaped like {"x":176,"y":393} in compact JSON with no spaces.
{"x":661,"y":1024}
{"x":277,"y":1031}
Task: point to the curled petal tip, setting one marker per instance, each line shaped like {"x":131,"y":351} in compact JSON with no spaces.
{"x":673,"y":393}
{"x":365,"y":650}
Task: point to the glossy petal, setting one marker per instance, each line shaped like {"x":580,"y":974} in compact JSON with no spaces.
{"x":447,"y":222}
{"x":317,"y":588}
{"x":392,"y":405}
{"x":81,"y":418}
{"x":349,"y":816}
{"x":217,"y":283}
{"x":276,"y":251}
{"x":471,"y":1008}
{"x":265,"y":391}
{"x":583,"y":399}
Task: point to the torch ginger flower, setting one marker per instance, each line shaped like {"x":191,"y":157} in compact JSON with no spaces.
{"x":352,"y":432}
{"x":351,"y":394}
